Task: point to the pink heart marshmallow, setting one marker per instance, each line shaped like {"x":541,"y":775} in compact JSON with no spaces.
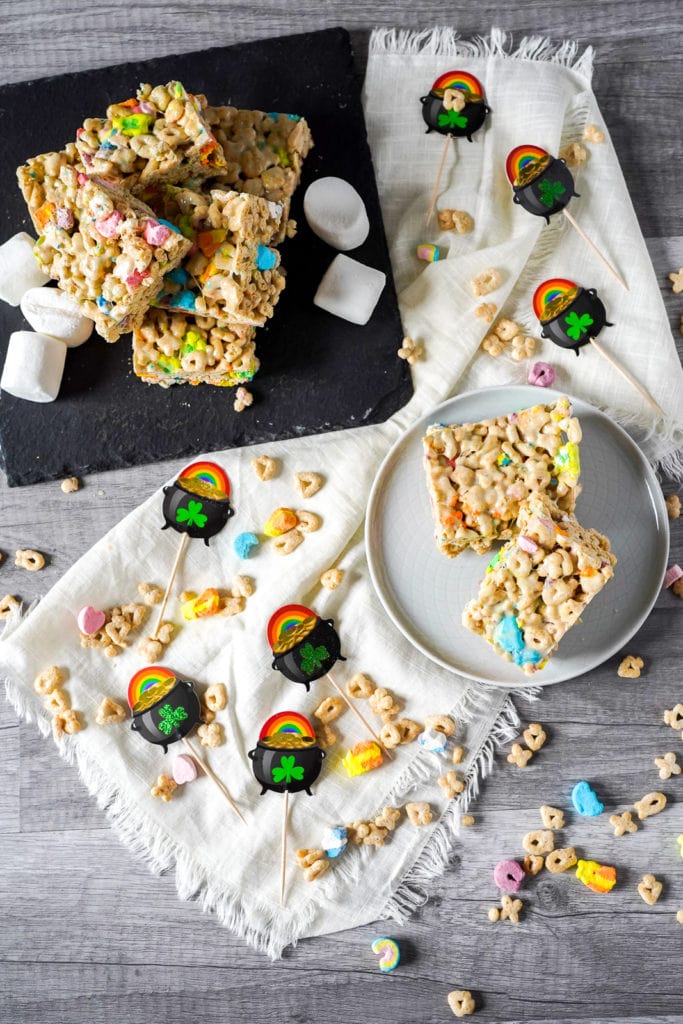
{"x":90,"y":620}
{"x":184,"y":769}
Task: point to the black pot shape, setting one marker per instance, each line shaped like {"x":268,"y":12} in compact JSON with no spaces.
{"x":460,"y":124}
{"x":170,"y":717}
{"x":286,"y":768}
{"x":578,"y":322}
{"x":547,"y":193}
{"x":195,"y":514}
{"x":305,"y":658}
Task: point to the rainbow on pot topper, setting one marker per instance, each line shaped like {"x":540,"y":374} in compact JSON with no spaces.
{"x":285,"y":619}
{"x":287,"y":722}
{"x":207,"y":474}
{"x":148,"y":678}
{"x":462,"y":80}
{"x":549,"y":292}
{"x":519,"y":158}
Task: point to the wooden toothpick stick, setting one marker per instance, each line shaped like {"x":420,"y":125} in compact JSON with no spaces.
{"x":214,"y":778}
{"x":283,"y":868}
{"x":174,"y":571}
{"x":627,"y":376}
{"x":603,"y":259}
{"x":435,"y":190}
{"x":360,"y":717}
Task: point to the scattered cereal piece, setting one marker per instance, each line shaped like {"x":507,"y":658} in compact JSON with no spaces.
{"x":279,"y":522}
{"x":539,"y":841}
{"x":651,"y":803}
{"x":165,"y":633}
{"x":243,"y":399}
{"x":519,"y":755}
{"x":383,"y":703}
{"x":510,"y":909}
{"x":288,"y":543}
{"x":305,"y":858}
{"x":585,"y":800}
{"x":390,"y":735}
{"x":461,"y":1002}
{"x":428,"y":252}
{"x":455,"y":220}
{"x":508,"y":875}
{"x":362,"y":758}
{"x":216,"y":697}
{"x":679,"y":840}
{"x":598,"y":877}
{"x":375,"y":835}
{"x":211,"y":734}
{"x":451,"y":784}
{"x":57,"y":701}
{"x":410,"y":351}
{"x":676,"y":277}
{"x":389,"y":818}
{"x":317,"y":868}
{"x":623,"y":823}
{"x":534,"y":736}
{"x":486,"y":311}
{"x":533,"y":864}
{"x":467,"y":820}
{"x":184,"y":769}
{"x":433,"y":741}
{"x":8,"y":604}
{"x":329,"y":709}
{"x":672,"y":574}
{"x":29,"y":559}
{"x":325,"y":737}
{"x":109,"y":712}
{"x":668,"y":765}
{"x":265,"y":467}
{"x":360,"y":686}
{"x":308,"y":522}
{"x":506,"y":330}
{"x":574,"y":154}
{"x":440,"y":723}
{"x":410,"y":730}
{"x":649,"y":889}
{"x":552,"y":817}
{"x":331,"y":578}
{"x":70,"y":485}
{"x":308,"y":484}
{"x":233,"y":605}
{"x":677,"y":588}
{"x":493,"y":345}
{"x":561,"y":860}
{"x":242,"y":586}
{"x":48,"y":680}
{"x":150,"y":593}
{"x":493,"y":914}
{"x":542,"y":375}
{"x":206,"y":714}
{"x":419,"y":813}
{"x":674,"y":716}
{"x":150,"y":650}
{"x":591,"y":133}
{"x":164,"y":788}
{"x":630,"y":666}
{"x":389,"y":954}
{"x":673,"y":506}
{"x":486,"y":281}
{"x":679,"y":916}
{"x":66,"y":722}
{"x":244,"y":544}
{"x":522,"y":347}
{"x":457,"y":756}
{"x":334,"y":841}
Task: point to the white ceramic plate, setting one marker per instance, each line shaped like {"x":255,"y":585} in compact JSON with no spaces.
{"x":424,"y":592}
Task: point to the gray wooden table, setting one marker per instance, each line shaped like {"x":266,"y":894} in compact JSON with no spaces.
{"x":87,"y":936}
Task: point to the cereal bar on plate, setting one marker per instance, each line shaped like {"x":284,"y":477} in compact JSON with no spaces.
{"x":479,"y":473}
{"x":538,"y":585}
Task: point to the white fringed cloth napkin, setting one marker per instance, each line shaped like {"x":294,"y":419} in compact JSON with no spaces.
{"x":538,"y":94}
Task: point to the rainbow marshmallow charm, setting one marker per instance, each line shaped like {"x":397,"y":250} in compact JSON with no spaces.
{"x":287,"y":758}
{"x":542,"y":184}
{"x":428,"y":252}
{"x":305,"y":647}
{"x":198,"y":503}
{"x":458,"y":119}
{"x":570,"y":316}
{"x":598,"y":877}
{"x":165,"y":709}
{"x":389,"y":954}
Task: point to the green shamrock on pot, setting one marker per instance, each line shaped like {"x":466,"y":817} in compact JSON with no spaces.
{"x":549,"y":191}
{"x":288,"y":771}
{"x":313,"y":658}
{"x":170,"y":718}
{"x":192,"y":515}
{"x":452,"y":119}
{"x":577,"y":325}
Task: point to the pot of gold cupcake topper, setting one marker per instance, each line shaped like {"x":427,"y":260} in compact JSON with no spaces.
{"x":305,"y":648}
{"x":571,"y":317}
{"x":543,"y":185}
{"x":286,"y":759}
{"x":165,"y":709}
{"x":454,"y":107}
{"x":197,"y":506}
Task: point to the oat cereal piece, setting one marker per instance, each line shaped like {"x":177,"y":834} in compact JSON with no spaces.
{"x":57,"y":701}
{"x":8,"y":605}
{"x":331,"y":578}
{"x":66,"y":722}
{"x":288,"y":542}
{"x":150,"y":593}
{"x":479,"y":474}
{"x":308,"y":484}
{"x":376,"y":835}
{"x":467,"y":820}
{"x":411,"y":351}
{"x":70,"y":485}
{"x":265,"y":467}
{"x":679,"y":916}
{"x":325,"y":737}
{"x":561,"y":860}
{"x":440,"y":723}
{"x":486,"y":281}
{"x":29,"y":559}
{"x":150,"y":650}
{"x":533,"y":863}
{"x":673,"y":506}
{"x":534,"y":736}
{"x":389,"y":818}
{"x":552,"y":817}
{"x":165,"y":633}
{"x":233,"y":605}
{"x":329,"y":709}
{"x":390,"y":735}
{"x":539,"y":841}
{"x":574,"y":154}
{"x":539,"y":584}
{"x":383,"y":703}
{"x":462,"y":221}
{"x":211,"y":735}
{"x":493,"y":345}
{"x":419,"y":813}
{"x":676,"y":278}
{"x":360,"y":686}
{"x":305,"y":858}
{"x":510,"y":909}
{"x":109,"y":712}
{"x":316,"y":869}
{"x":457,"y":756}
{"x":357,"y":832}
{"x":591,"y":133}
{"x":486,"y":311}
{"x":522,"y":347}
{"x":651,"y":803}
{"x":206,"y":714}
{"x":48,"y":680}
{"x":117,"y":630}
{"x":668,"y":765}
{"x":164,"y":788}
{"x":309,"y":522}
{"x":493,"y":914}
{"x":461,"y":1002}
{"x":242,"y":586}
{"x":506,"y":330}
{"x":216,"y":697}
{"x":674,"y":716}
{"x":445,"y":219}
{"x":519,"y":755}
{"x":623,"y":823}
{"x":451,"y":784}
{"x":649,"y":889}
{"x":243,"y":398}
{"x":630,"y":666}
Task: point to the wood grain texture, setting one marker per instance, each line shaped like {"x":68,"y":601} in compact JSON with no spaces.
{"x":89,"y":937}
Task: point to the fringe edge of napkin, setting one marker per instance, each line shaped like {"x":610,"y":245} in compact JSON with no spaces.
{"x":446,"y":42}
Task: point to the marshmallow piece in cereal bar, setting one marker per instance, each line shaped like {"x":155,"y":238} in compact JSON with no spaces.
{"x":479,"y":473}
{"x":19,"y":271}
{"x":539,"y":584}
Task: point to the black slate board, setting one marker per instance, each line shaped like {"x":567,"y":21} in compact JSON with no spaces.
{"x":318,"y":373}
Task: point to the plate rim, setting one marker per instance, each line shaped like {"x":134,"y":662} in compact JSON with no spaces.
{"x":373,"y":499}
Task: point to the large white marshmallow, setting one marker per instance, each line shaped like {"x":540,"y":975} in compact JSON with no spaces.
{"x":33,"y":366}
{"x":50,"y":311}
{"x":336,"y":213}
{"x":19,"y":269}
{"x":350,"y":290}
